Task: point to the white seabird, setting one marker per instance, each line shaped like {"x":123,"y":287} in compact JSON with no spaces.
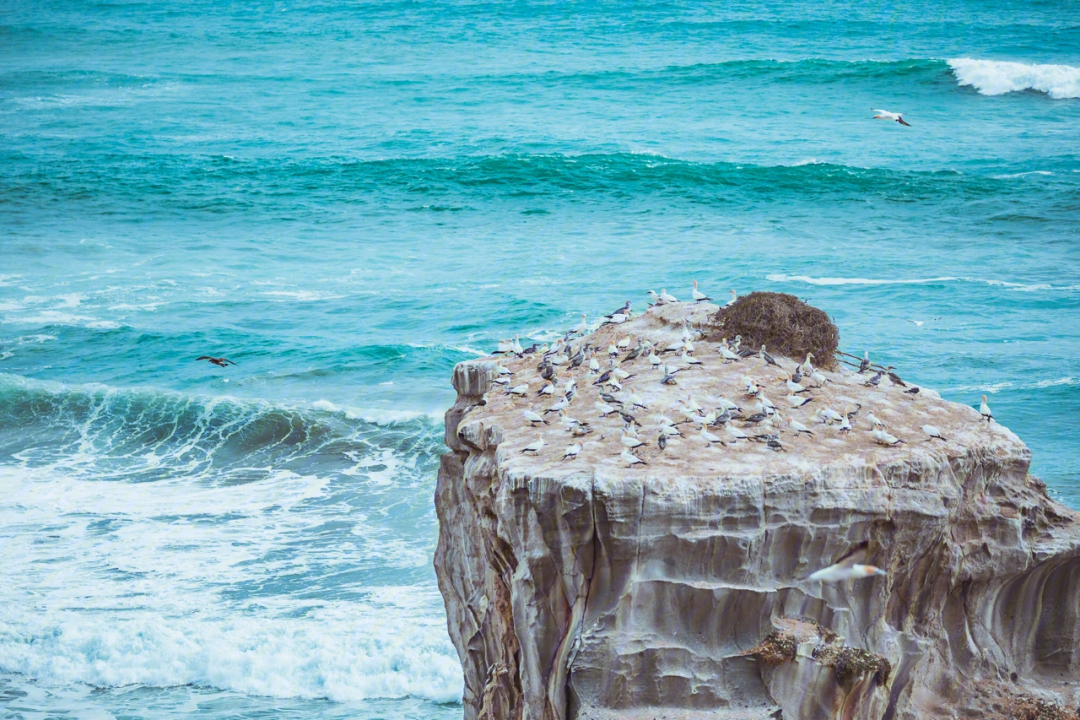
{"x":920,"y":323}
{"x":604,"y":409}
{"x":624,"y":343}
{"x":583,"y":327}
{"x":572,"y":451}
{"x":886,"y":115}
{"x":709,"y":438}
{"x":630,"y":441}
{"x":798,"y":427}
{"x":727,"y":354}
{"x":666,"y":297}
{"x":518,"y":389}
{"x":933,"y":433}
{"x":735,"y":433}
{"x":518,"y":350}
{"x":534,"y":447}
{"x":848,"y":567}
{"x":806,"y":367}
{"x":559,"y":406}
{"x":533,"y":417}
{"x":631,"y":459}
{"x":795,"y":387}
{"x":876,"y":422}
{"x":734,"y":297}
{"x":885,"y":438}
{"x":698,"y":296}
{"x":796,"y":401}
{"x":984,"y":410}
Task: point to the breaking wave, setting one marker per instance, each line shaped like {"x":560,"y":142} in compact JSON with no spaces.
{"x":995,"y":77}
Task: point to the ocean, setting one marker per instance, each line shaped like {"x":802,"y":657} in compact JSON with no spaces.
{"x":348,"y":198}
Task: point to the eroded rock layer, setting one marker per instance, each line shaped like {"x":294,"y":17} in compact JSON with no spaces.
{"x":585,"y":588}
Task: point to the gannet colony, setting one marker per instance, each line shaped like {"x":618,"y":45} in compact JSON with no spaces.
{"x":649,"y":519}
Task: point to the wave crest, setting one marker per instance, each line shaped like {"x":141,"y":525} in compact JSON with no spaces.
{"x":993,"y":77}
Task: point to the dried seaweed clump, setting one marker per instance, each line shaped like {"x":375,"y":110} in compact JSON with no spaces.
{"x":784,"y":323}
{"x":777,"y":648}
{"x":849,"y":663}
{"x":1025,"y":707}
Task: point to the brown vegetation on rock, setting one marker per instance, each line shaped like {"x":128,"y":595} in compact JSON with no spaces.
{"x":777,"y":648}
{"x":1025,"y":707}
{"x":783,"y":323}
{"x":849,"y":663}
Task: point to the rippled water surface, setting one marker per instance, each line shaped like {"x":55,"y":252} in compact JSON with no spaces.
{"x":347,"y":198}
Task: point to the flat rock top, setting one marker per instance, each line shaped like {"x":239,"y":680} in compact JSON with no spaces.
{"x":844,"y":390}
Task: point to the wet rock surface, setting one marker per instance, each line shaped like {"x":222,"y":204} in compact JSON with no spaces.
{"x":586,"y":588}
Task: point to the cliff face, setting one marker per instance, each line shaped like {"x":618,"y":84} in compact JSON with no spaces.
{"x":587,"y":589}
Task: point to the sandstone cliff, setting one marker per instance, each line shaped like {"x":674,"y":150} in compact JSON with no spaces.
{"x":588,"y":589}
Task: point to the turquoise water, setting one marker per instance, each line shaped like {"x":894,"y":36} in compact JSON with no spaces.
{"x":348,"y":198}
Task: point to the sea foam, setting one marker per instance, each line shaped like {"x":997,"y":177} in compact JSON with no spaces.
{"x":994,"y":77}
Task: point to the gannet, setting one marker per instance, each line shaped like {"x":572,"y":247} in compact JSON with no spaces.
{"x":559,"y":406}
{"x":594,"y":364}
{"x":806,"y":367}
{"x":679,"y":344}
{"x":534,"y":447}
{"x":845,"y":425}
{"x":655,"y":298}
{"x":610,"y":399}
{"x":708,"y":437}
{"x":726,"y":404}
{"x":583,"y":327}
{"x":885,"y":438}
{"x":670,"y":431}
{"x":517,"y":346}
{"x":735,"y":344}
{"x":518,"y":389}
{"x":559,"y":359}
{"x":689,"y":359}
{"x":533,"y":417}
{"x":773,"y":443}
{"x":873,"y":382}
{"x":852,"y":413}
{"x":829,"y":415}
{"x":873,"y":420}
{"x":728,"y":355}
{"x":635,"y":400}
{"x":886,"y":115}
{"x":572,"y":451}
{"x":920,"y":323}
{"x":615,"y":319}
{"x":624,"y":343}
{"x":768,"y":358}
{"x":796,"y":401}
{"x":818,"y":378}
{"x":734,"y":297}
{"x":655,"y":360}
{"x":984,"y":410}
{"x":667,"y":298}
{"x":669,"y":377}
{"x":505,"y":346}
{"x":633,"y":354}
{"x":500,"y":370}
{"x":864,"y":364}
{"x":569,"y":384}
{"x":798,"y":427}
{"x":688,"y":345}
{"x":913,"y":390}
{"x":547,"y":389}
{"x":604,"y":409}
{"x":698,"y":296}
{"x":848,"y":567}
{"x":661,"y":442}
{"x":766,"y":403}
{"x":735,"y":433}
{"x":612,"y":351}
{"x":794,"y":387}
{"x":631,"y":459}
{"x":631,"y":442}
{"x":577,"y":359}
{"x":547,"y":371}
{"x":894,"y":378}
{"x":933,"y":433}
{"x":219,"y":361}
{"x":501,"y":381}
{"x":618,"y":372}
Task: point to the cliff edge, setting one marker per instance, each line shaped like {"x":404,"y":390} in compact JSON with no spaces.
{"x":587,"y":588}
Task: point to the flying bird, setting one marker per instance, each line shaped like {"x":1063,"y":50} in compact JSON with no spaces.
{"x":848,"y":566}
{"x":886,"y":115}
{"x":920,"y":323}
{"x":220,"y":362}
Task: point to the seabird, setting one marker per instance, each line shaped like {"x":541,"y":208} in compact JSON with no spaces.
{"x":657,"y":300}
{"x":920,"y":323}
{"x":655,"y":360}
{"x":610,"y":399}
{"x":635,"y":400}
{"x":818,"y":378}
{"x":768,"y":358}
{"x":583,"y":327}
{"x":501,"y":381}
{"x":534,"y":447}
{"x":798,"y":427}
{"x":873,"y":420}
{"x":734,"y":297}
{"x":698,"y":296}
{"x":727,"y":354}
{"x":594,"y":364}
{"x":533,"y":417}
{"x":500,"y":370}
{"x":933,"y":433}
{"x":806,"y":367}
{"x":559,"y":359}
{"x":667,"y":298}
{"x":735,"y":433}
{"x":689,"y":359}
{"x":547,"y":371}
{"x":547,"y":389}
{"x":873,"y":382}
{"x":709,"y":438}
{"x":773,"y":443}
{"x":794,"y":387}
{"x":624,"y":343}
{"x":517,"y":346}
{"x":572,"y":451}
{"x":796,"y":401}
{"x":845,"y":425}
{"x":612,"y":351}
{"x":914,"y":390}
{"x":848,"y":566}
{"x":631,"y":442}
{"x":559,"y":406}
{"x":830,"y":416}
{"x":603,"y":409}
{"x":852,"y":413}
{"x":661,"y":442}
{"x":894,"y":378}
{"x":631,"y":459}
{"x":219,"y":361}
{"x":886,"y":115}
{"x":518,"y":389}
{"x":579,"y":357}
{"x":984,"y":410}
{"x":633,"y":354}
{"x":726,"y":404}
{"x":505,"y":346}
{"x":616,"y":319}
{"x":885,"y":438}
{"x":864,"y":364}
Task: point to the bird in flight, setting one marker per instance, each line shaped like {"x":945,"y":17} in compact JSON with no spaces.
{"x":920,"y":323}
{"x":220,"y":362}
{"x":848,"y":566}
{"x":886,"y":115}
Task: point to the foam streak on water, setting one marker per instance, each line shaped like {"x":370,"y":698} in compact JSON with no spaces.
{"x":348,"y":198}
